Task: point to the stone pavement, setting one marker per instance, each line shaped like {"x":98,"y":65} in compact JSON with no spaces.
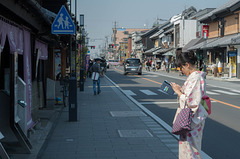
{"x":109,"y":126}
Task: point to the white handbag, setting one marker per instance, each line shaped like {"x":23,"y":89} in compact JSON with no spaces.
{"x":95,"y":76}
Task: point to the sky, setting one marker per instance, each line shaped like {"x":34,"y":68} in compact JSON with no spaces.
{"x":100,"y":15}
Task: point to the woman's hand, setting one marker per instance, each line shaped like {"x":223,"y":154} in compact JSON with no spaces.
{"x":176,"y":88}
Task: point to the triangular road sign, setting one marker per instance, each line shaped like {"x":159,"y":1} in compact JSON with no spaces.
{"x":63,"y":23}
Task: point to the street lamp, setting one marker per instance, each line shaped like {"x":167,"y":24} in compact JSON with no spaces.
{"x":81,"y":20}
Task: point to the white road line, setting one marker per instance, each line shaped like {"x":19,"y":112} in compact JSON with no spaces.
{"x":148,"y":92}
{"x":212,"y":93}
{"x":158,"y":102}
{"x":184,"y":78}
{"x":129,"y":92}
{"x":162,"y":92}
{"x":146,"y":103}
{"x":150,"y":76}
{"x":233,"y":90}
{"x":225,"y":92}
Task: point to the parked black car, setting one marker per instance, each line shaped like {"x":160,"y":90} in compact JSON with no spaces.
{"x":132,"y":65}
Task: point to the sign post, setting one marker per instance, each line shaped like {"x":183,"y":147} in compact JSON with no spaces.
{"x":63,"y":24}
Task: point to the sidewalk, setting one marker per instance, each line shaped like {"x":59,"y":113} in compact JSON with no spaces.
{"x":109,"y":126}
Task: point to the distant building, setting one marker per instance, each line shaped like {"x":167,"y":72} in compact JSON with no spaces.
{"x":122,"y":35}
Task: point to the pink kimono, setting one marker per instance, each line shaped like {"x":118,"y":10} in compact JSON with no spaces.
{"x":193,"y":90}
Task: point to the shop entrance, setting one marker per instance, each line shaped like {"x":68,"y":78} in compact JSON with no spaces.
{"x":14,"y":141}
{"x":232,"y":63}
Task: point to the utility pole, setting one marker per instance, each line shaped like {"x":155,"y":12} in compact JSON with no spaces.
{"x":70,"y":48}
{"x":76,"y":39}
{"x":72,"y":110}
{"x":106,"y":46}
{"x":114,"y":37}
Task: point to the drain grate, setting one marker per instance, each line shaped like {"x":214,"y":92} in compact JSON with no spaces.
{"x":127,"y":113}
{"x":134,"y":133}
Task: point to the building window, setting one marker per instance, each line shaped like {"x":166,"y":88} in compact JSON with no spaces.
{"x":177,"y":34}
{"x":222,"y":27}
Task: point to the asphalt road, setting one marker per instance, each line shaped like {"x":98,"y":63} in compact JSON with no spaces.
{"x":221,"y":138}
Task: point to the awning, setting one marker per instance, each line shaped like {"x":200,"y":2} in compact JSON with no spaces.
{"x":201,"y":45}
{"x":169,"y":30}
{"x":192,"y":43}
{"x":165,"y":50}
{"x":219,"y":41}
{"x":169,"y":53}
{"x":155,"y":52}
{"x":162,"y":50}
{"x":232,"y":41}
{"x":150,"y":51}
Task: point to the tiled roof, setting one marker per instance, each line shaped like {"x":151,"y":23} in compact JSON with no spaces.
{"x":150,"y":31}
{"x":224,"y":7}
{"x":156,"y":34}
{"x":192,"y":43}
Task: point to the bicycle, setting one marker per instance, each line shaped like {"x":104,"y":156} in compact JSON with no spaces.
{"x":64,"y":90}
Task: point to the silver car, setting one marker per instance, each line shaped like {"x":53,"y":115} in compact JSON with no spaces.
{"x":132,"y":65}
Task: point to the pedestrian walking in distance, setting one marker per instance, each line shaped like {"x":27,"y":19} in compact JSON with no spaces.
{"x":96,"y":69}
{"x":190,"y":95}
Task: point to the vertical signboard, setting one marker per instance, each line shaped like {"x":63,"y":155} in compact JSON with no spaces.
{"x":87,"y":60}
{"x":205,"y":29}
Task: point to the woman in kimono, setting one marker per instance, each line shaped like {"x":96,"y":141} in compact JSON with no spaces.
{"x":190,"y":95}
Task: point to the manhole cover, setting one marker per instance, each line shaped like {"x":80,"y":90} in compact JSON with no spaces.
{"x":127,"y":113}
{"x":134,"y":133}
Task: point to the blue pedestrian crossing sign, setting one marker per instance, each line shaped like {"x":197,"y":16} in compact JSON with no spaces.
{"x":63,"y":23}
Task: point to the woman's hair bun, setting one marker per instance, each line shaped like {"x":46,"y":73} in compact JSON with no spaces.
{"x":188,"y":57}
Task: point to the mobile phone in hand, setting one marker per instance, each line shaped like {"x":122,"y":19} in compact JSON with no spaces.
{"x":167,"y":88}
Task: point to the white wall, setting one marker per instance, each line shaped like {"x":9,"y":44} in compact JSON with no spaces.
{"x":188,"y":29}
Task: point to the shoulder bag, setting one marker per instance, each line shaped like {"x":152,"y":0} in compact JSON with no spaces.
{"x":182,"y":122}
{"x":95,"y":76}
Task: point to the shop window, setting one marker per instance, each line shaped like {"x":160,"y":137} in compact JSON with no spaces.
{"x":177,"y":34}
